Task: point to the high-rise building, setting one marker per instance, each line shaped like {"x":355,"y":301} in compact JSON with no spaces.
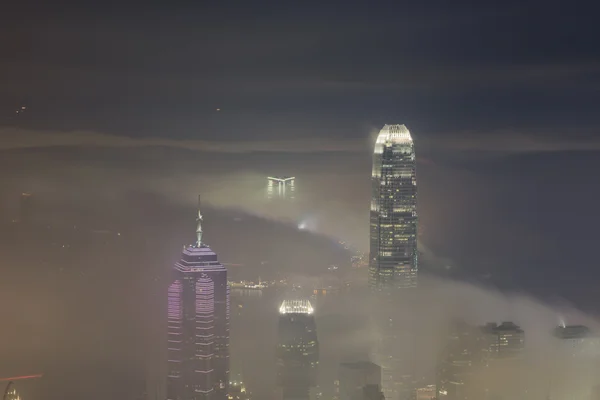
{"x":198,"y":325}
{"x":11,"y":393}
{"x":393,"y":265}
{"x":578,"y":340}
{"x":354,"y":376}
{"x":297,"y":349}
{"x":282,"y":188}
{"x":393,"y":222}
{"x":506,"y":340}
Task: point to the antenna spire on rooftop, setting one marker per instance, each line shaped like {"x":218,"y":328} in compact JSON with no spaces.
{"x":199,"y":225}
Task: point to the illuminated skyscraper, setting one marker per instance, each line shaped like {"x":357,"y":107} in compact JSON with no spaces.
{"x":11,"y":393}
{"x":393,"y":228}
{"x":281,"y":188}
{"x":198,"y":325}
{"x":297,"y":349}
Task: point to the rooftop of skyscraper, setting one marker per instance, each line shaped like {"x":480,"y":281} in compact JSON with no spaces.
{"x":296,"y":307}
{"x":573,"y":332}
{"x":281,"y":178}
{"x":394,"y":134}
{"x":504,"y":326}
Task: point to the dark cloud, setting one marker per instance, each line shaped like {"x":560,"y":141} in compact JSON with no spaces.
{"x":301,"y":70}
{"x":482,"y":144}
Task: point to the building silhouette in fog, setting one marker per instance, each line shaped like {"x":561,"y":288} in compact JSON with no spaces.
{"x":506,"y":340}
{"x":281,"y":188}
{"x":297,"y":349}
{"x":469,"y":350}
{"x":354,"y":376}
{"x":578,"y":340}
{"x":198,"y":325}
{"x":393,"y":220}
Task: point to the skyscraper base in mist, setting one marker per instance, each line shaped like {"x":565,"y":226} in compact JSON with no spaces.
{"x":395,"y":322}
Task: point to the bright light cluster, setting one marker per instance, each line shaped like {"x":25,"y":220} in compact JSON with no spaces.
{"x":394,"y":134}
{"x":296,"y":307}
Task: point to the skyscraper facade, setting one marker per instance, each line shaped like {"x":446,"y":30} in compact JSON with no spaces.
{"x":198,"y":325}
{"x":297,"y":349}
{"x":393,"y":221}
{"x":506,"y":340}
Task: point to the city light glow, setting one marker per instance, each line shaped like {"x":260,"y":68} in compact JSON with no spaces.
{"x":296,"y":307}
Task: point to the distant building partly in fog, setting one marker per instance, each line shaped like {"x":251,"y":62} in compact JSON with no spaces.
{"x":353,"y":376}
{"x":579,"y":340}
{"x":506,"y":340}
{"x":281,"y":188}
{"x":393,"y":218}
{"x":198,"y":325}
{"x":469,"y":350}
{"x":297,"y":349}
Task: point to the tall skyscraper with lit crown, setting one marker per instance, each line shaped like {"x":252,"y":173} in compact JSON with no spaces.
{"x":198,"y":325}
{"x":393,"y":221}
{"x":297,"y":350}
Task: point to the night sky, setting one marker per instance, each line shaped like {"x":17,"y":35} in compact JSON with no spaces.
{"x":279,"y":70}
{"x":501,"y":98}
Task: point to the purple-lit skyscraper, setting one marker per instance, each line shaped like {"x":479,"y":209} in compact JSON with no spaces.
{"x":198,"y":325}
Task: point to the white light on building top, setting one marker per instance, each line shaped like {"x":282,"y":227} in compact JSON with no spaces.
{"x":394,"y":134}
{"x":296,"y":307}
{"x":274,"y":179}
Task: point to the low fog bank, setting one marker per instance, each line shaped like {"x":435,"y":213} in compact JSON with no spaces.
{"x":85,"y":314}
{"x":347,"y":332}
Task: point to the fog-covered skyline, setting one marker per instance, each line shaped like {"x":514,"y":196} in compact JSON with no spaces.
{"x":116,"y":117}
